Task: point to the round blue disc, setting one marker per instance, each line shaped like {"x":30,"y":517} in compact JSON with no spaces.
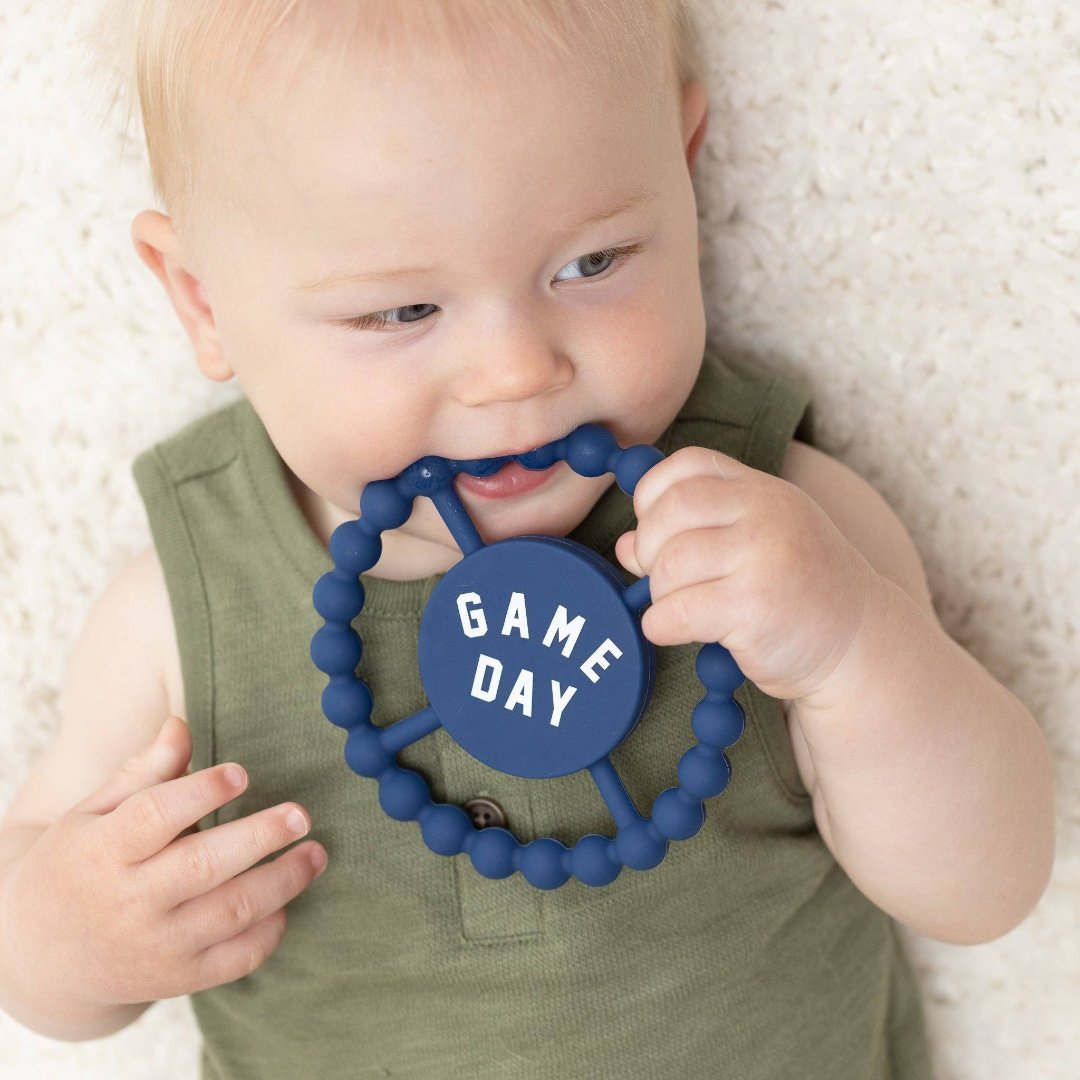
{"x":531,"y":658}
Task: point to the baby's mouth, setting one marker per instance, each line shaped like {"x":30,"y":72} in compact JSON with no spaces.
{"x":509,"y":481}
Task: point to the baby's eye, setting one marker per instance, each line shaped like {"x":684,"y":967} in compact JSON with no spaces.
{"x":386,"y":318}
{"x":596,"y":263}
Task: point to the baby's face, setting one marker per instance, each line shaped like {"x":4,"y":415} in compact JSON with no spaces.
{"x":428,"y":264}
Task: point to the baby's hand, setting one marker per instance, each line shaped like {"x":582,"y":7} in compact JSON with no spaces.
{"x":121,"y":902}
{"x":744,"y":558}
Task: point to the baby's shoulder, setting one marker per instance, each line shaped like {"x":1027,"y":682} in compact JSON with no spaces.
{"x":127,"y":650}
{"x":145,"y":588}
{"x":122,"y":681}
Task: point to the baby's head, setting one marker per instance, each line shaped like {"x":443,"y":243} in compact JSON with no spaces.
{"x":501,"y":188}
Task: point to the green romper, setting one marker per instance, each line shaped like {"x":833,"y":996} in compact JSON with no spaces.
{"x":748,"y":954}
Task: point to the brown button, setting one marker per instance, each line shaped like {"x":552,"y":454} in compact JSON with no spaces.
{"x":485,"y":813}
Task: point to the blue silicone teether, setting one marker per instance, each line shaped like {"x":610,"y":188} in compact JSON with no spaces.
{"x":533,"y":660}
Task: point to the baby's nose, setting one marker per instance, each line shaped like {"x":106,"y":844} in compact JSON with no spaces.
{"x":521,"y":368}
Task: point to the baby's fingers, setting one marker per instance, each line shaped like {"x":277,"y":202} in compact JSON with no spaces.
{"x":695,"y":503}
{"x":150,"y":819}
{"x":624,"y":552}
{"x":684,"y":464}
{"x":163,"y":759}
{"x":256,"y":902}
{"x":239,"y":956}
{"x":196,"y":865}
{"x":213,"y":926}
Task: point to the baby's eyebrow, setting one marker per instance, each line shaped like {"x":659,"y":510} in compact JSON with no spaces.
{"x":630,"y":201}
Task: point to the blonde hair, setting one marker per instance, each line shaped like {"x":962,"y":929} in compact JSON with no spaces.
{"x":161,"y":54}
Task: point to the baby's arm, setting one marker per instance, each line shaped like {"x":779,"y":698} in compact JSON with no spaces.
{"x":109,"y":899}
{"x":931,"y":783}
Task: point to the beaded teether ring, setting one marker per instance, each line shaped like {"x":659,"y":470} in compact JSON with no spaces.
{"x":565,"y":630}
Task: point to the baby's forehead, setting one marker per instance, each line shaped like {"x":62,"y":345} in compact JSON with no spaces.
{"x":319,"y":107}
{"x":480,"y":48}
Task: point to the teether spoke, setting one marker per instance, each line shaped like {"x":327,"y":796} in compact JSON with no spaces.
{"x":637,"y":595}
{"x":613,"y":792}
{"x":457,"y":519}
{"x":409,"y":729}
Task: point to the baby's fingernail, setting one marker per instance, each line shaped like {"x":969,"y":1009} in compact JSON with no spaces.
{"x":296,"y":822}
{"x":318,"y":859}
{"x":235,"y":776}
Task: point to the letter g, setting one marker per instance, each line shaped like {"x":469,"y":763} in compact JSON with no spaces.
{"x":473,"y":620}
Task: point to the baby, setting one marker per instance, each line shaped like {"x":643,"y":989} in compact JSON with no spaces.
{"x":465,"y":229}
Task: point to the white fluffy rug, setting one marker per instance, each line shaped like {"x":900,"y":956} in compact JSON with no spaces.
{"x":889,"y":195}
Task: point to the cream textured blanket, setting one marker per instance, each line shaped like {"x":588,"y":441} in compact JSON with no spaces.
{"x":890,"y":201}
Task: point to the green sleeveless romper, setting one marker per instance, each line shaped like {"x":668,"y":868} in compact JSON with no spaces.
{"x":748,"y":953}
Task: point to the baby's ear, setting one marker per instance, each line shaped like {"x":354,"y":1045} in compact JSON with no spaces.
{"x":159,"y":247}
{"x":695,"y":118}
